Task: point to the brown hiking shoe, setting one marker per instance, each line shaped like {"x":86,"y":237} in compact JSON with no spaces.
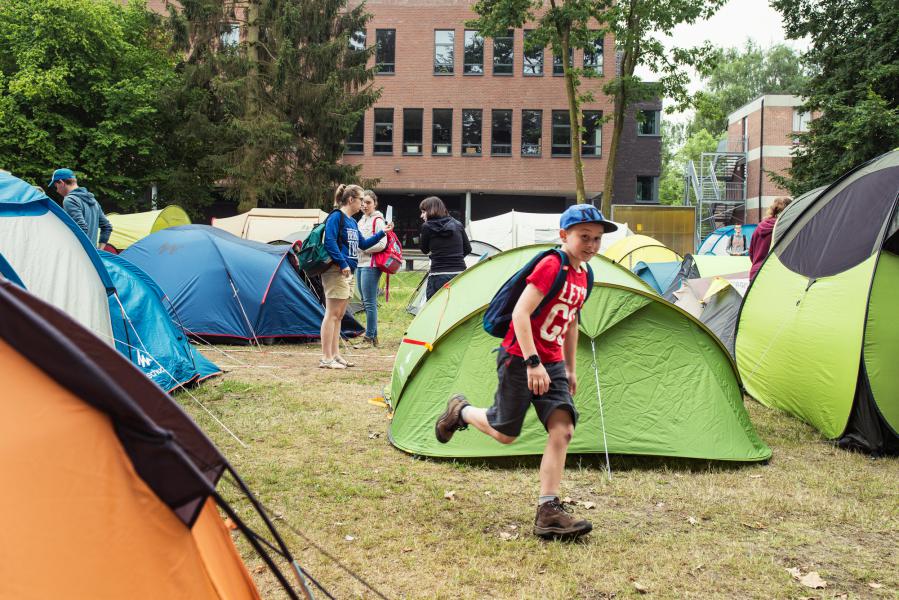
{"x":451,"y":420}
{"x":554,"y":522}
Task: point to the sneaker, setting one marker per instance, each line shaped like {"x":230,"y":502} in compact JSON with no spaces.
{"x":343,"y":361}
{"x":451,"y":420}
{"x":330,"y":364}
{"x":554,"y":521}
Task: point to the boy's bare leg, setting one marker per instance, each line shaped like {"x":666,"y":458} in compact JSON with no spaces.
{"x":477,"y":417}
{"x":560,"y":429}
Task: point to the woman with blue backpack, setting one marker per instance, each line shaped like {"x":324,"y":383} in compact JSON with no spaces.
{"x":342,"y":241}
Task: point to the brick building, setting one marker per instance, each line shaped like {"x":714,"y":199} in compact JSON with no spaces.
{"x":765,"y":130}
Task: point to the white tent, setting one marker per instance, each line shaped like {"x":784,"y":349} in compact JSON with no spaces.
{"x":270,"y":224}
{"x":52,"y":256}
{"x":514,"y":229}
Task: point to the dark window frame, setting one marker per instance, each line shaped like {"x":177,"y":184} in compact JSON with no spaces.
{"x":557,"y":63}
{"x":380,"y":124}
{"x":467,"y":67}
{"x":511,"y":64}
{"x":654,"y":191}
{"x":526,"y":147}
{"x":598,"y":44}
{"x":356,"y":146}
{"x":598,"y":129}
{"x":526,"y":61}
{"x":448,"y":130}
{"x":505,"y":149}
{"x":421,"y":132}
{"x":445,"y":69}
{"x":385,"y":68}
{"x":567,"y":127}
{"x":656,"y":120}
{"x":467,"y":143}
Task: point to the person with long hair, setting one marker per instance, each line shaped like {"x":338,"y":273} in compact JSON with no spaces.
{"x":760,"y":244}
{"x":445,"y":240}
{"x":343,"y":240}
{"x":367,"y":275}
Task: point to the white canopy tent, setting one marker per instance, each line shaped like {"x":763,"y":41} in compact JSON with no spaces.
{"x":514,"y":229}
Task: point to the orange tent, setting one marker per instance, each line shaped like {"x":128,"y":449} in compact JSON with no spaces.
{"x":108,"y":486}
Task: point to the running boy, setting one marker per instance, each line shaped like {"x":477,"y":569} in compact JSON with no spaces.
{"x":536,"y":365}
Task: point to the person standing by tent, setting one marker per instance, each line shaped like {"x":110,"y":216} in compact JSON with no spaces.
{"x":761,"y":238}
{"x":82,"y":206}
{"x":368,"y":276}
{"x":546,"y":378}
{"x":445,"y":240}
{"x":736,"y":245}
{"x":343,"y":241}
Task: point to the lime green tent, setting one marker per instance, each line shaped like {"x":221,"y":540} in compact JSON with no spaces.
{"x":818,"y":334}
{"x":668,"y":386}
{"x":127,"y":229}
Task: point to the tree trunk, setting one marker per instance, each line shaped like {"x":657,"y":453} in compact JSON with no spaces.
{"x":574,"y":119}
{"x":249,"y":197}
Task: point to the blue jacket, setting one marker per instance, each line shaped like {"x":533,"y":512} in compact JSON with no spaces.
{"x":346,"y":252}
{"x":84,"y":209}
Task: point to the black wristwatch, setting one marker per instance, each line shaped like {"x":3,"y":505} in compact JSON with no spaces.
{"x":532,"y":361}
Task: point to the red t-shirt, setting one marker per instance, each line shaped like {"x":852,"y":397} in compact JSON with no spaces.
{"x":551,"y":323}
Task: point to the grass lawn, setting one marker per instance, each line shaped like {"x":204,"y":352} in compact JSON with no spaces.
{"x":317,"y":454}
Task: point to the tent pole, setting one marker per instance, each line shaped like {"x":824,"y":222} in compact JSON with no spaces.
{"x":602,"y":417}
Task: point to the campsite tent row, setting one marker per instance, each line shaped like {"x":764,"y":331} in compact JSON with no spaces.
{"x":688,"y":404}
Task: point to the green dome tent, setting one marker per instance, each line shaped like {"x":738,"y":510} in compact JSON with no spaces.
{"x":668,"y":386}
{"x":818,"y":335}
{"x":128,"y":229}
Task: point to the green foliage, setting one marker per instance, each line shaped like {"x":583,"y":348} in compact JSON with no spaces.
{"x":854,"y":86}
{"x":280,"y":105}
{"x":737,"y":76}
{"x":671,"y":184}
{"x":79,"y":81}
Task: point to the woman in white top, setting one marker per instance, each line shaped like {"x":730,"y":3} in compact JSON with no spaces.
{"x":367,"y":275}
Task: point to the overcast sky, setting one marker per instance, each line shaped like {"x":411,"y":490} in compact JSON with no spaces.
{"x":733,"y":24}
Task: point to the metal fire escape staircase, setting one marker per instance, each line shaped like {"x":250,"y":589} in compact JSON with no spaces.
{"x":717,"y":187}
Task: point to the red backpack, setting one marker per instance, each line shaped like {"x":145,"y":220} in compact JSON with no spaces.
{"x":390,"y":259}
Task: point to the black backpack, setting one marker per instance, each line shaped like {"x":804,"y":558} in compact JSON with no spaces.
{"x":498,"y":316}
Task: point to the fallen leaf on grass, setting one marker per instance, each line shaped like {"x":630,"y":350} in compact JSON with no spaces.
{"x":505,"y":535}
{"x":567,"y":500}
{"x":349,"y":538}
{"x":660,"y":505}
{"x":755,"y":525}
{"x":513,"y":527}
{"x":407,"y":549}
{"x":372,"y":436}
{"x":488,"y":493}
{"x":641,"y":588}
{"x":692,"y":521}
{"x":794,"y":571}
{"x":588,"y":505}
{"x":809,"y":580}
{"x":259,"y":569}
{"x":755,"y":476}
{"x":875,"y":586}
{"x":450,"y":495}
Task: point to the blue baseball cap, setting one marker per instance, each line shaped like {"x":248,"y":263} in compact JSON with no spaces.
{"x":585,"y":213}
{"x":61,"y":174}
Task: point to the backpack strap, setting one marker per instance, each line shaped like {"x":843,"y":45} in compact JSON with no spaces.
{"x":558,"y":282}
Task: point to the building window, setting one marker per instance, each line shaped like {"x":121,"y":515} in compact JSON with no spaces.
{"x":230,"y":36}
{"x":442,"y":131}
{"x":801,"y":120}
{"x":385,"y":54}
{"x":592,"y":136}
{"x":558,"y":69}
{"x":444,"y":53}
{"x":471,"y":131}
{"x":357,"y":41}
{"x":355,"y":144}
{"x":593,"y":54}
{"x":649,"y":122}
{"x":533,"y":58}
{"x":412,"y":130}
{"x":531,"y":132}
{"x":501,"y":133}
{"x":383,"y":131}
{"x":561,"y":134}
{"x":474,"y":53}
{"x":647,"y":189}
{"x":503,"y":54}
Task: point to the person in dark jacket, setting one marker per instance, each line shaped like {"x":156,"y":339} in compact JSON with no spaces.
{"x":760,"y":244}
{"x":444,"y":239}
{"x":82,"y":206}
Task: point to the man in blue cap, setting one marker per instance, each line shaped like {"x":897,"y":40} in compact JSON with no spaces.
{"x":82,"y":206}
{"x":536,"y":366}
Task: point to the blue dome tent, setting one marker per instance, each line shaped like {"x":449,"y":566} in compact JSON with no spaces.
{"x":657,"y":274}
{"x":716,"y":242}
{"x":230,"y":290}
{"x":146,"y":333}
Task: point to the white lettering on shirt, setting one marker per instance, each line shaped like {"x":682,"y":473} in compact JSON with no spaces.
{"x":352,"y":238}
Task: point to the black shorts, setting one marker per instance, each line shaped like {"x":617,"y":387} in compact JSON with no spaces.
{"x":513,"y":398}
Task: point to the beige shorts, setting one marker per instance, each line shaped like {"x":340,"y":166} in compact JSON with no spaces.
{"x":337,"y":287}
